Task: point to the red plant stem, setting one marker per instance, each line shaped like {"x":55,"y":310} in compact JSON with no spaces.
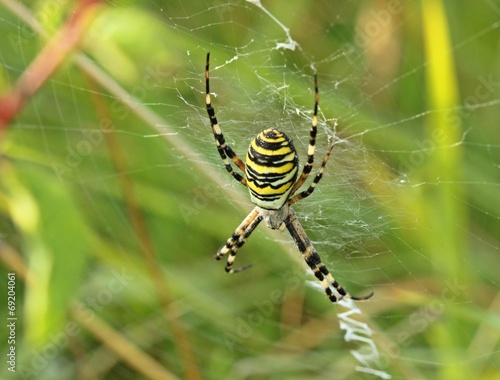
{"x":47,"y":61}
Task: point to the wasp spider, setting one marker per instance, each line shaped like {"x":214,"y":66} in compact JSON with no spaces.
{"x":270,"y":173}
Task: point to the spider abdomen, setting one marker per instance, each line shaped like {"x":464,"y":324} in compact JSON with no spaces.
{"x":271,"y":169}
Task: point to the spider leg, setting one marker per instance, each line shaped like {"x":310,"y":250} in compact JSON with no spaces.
{"x":312,"y":141}
{"x":239,"y":237}
{"x":312,"y":259}
{"x":224,"y":149}
{"x":318,"y":177}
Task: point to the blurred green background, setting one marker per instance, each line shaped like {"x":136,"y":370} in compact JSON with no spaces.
{"x":114,"y":200}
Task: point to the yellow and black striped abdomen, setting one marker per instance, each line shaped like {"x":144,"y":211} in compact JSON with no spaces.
{"x":271,"y":169}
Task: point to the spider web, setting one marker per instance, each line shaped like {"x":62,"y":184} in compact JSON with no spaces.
{"x":368,"y":218}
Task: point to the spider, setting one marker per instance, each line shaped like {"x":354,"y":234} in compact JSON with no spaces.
{"x":270,"y":173}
